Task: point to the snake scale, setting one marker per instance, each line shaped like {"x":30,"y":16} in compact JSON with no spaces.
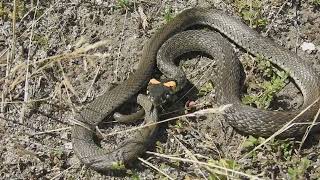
{"x":244,"y":118}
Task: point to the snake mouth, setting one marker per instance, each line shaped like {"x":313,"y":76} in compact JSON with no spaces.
{"x":161,"y":93}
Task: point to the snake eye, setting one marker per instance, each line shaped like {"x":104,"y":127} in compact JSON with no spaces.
{"x":168,"y":95}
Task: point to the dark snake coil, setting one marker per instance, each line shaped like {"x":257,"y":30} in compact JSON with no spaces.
{"x":244,"y":118}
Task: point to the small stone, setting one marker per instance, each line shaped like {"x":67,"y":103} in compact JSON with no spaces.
{"x":68,"y":145}
{"x":309,"y":47}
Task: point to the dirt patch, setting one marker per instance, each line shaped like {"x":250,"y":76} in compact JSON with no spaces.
{"x":36,"y":111}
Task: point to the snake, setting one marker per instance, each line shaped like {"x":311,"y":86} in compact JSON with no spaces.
{"x":245,"y":119}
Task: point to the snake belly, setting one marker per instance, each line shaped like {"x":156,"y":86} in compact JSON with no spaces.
{"x":244,"y":118}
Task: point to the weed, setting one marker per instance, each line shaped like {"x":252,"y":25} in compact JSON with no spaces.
{"x":316,"y":2}
{"x":229,"y":164}
{"x":205,"y":89}
{"x":159,"y":147}
{"x":118,"y":166}
{"x":123,"y":4}
{"x":4,"y":11}
{"x":250,"y":11}
{"x":268,"y":89}
{"x":135,"y":176}
{"x":57,"y":153}
{"x":41,"y":40}
{"x":168,"y":16}
{"x":299,"y":170}
{"x":283,"y":147}
{"x":179,"y":124}
{"x":250,"y":143}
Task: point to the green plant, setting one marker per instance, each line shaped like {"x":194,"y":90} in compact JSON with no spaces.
{"x":226,"y":163}
{"x":299,"y":170}
{"x":168,"y":16}
{"x":159,"y":147}
{"x":250,"y":143}
{"x":179,"y":124}
{"x":275,"y":80}
{"x":206,"y":88}
{"x":250,"y":11}
{"x":135,"y":176}
{"x":57,"y":153}
{"x":118,"y":165}
{"x":123,"y":4}
{"x":41,"y":40}
{"x":316,"y":2}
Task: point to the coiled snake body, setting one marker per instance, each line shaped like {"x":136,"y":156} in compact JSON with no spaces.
{"x":244,"y":118}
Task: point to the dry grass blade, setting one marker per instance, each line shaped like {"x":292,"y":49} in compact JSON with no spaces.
{"x":26,"y":85}
{"x":29,"y":101}
{"x":189,"y":153}
{"x":91,"y":85}
{"x":79,"y":123}
{"x":201,"y":112}
{"x":206,"y":164}
{"x":80,"y":52}
{"x":309,"y":129}
{"x":51,"y":131}
{"x":154,"y":167}
{"x":13,"y":45}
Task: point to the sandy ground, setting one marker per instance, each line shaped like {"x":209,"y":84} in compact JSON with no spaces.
{"x":63,"y":75}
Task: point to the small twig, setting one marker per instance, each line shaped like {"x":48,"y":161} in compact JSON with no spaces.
{"x":79,"y":123}
{"x":154,"y":167}
{"x":51,"y":131}
{"x":29,"y":101}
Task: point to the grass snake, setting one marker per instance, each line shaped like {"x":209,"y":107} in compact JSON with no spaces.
{"x":244,"y":118}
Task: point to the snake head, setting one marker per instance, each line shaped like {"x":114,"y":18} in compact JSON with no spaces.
{"x":161,"y":93}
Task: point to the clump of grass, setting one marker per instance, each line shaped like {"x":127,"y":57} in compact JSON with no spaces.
{"x":6,"y":11}
{"x":251,"y":12}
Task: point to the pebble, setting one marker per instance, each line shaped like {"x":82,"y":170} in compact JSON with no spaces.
{"x":308,"y":47}
{"x":68,"y":145}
